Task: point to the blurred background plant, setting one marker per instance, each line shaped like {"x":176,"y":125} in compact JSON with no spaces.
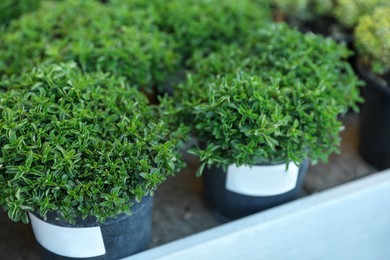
{"x":12,"y":9}
{"x":373,"y":40}
{"x":348,"y":12}
{"x":331,"y":18}
{"x":96,"y":36}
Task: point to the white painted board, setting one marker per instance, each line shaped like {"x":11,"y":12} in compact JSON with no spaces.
{"x":351,"y":221}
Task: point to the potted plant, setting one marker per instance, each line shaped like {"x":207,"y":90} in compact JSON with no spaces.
{"x":97,"y":36}
{"x":200,"y":26}
{"x":203,"y":25}
{"x":372,"y":37}
{"x":348,"y":12}
{"x":331,"y":18}
{"x":80,"y":156}
{"x":262,"y":109}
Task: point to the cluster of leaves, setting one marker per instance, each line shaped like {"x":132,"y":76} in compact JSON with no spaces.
{"x":373,"y":40}
{"x":11,"y":9}
{"x":77,"y":139}
{"x":96,"y":36}
{"x":80,"y":144}
{"x":275,"y":98}
{"x":305,"y":10}
{"x":142,"y":40}
{"x":348,"y":12}
{"x":204,"y":25}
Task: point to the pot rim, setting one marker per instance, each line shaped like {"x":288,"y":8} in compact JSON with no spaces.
{"x":54,"y":218}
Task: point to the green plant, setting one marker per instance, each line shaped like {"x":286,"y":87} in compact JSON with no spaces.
{"x":275,"y":98}
{"x":305,"y":10}
{"x":11,"y":9}
{"x":80,"y":144}
{"x":204,"y":25}
{"x":348,"y":12}
{"x":98,"y":37}
{"x":373,"y":40}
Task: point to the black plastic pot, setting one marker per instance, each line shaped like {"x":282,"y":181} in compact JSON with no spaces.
{"x":374,"y":136}
{"x":227,"y":205}
{"x":122,"y":236}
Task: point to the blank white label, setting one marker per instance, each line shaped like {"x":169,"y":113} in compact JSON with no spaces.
{"x":70,"y":242}
{"x":260,"y":180}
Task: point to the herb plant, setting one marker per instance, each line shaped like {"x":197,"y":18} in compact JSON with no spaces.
{"x":203,"y":25}
{"x":97,"y":37}
{"x":11,"y":9}
{"x":274,"y":99}
{"x":80,"y":144}
{"x":373,"y":40}
{"x":348,"y":12}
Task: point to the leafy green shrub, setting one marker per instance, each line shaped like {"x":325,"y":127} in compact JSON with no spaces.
{"x":204,"y":25}
{"x":98,"y":37}
{"x":275,"y":98}
{"x":80,"y":144}
{"x":348,"y":12}
{"x":373,"y":40}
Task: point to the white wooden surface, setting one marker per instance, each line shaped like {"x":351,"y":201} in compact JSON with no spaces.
{"x":351,"y":221}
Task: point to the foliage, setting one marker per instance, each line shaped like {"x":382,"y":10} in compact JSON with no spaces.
{"x":11,"y":9}
{"x":373,"y":39}
{"x":99,"y":37}
{"x":80,"y":144}
{"x":348,"y":12}
{"x":204,"y":25}
{"x":305,"y":10}
{"x":275,"y":98}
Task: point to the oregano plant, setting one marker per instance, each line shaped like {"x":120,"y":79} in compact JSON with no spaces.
{"x":273,"y":99}
{"x":98,"y":37}
{"x":203,"y":25}
{"x":12,"y":9}
{"x":84,"y":145}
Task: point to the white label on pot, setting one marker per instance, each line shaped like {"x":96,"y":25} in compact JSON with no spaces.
{"x":262,"y":180}
{"x":70,"y":242}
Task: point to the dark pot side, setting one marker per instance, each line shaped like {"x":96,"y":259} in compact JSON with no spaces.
{"x":374,"y":136}
{"x":167,"y":87}
{"x":326,"y":26}
{"x":227,"y":205}
{"x":123,"y":236}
